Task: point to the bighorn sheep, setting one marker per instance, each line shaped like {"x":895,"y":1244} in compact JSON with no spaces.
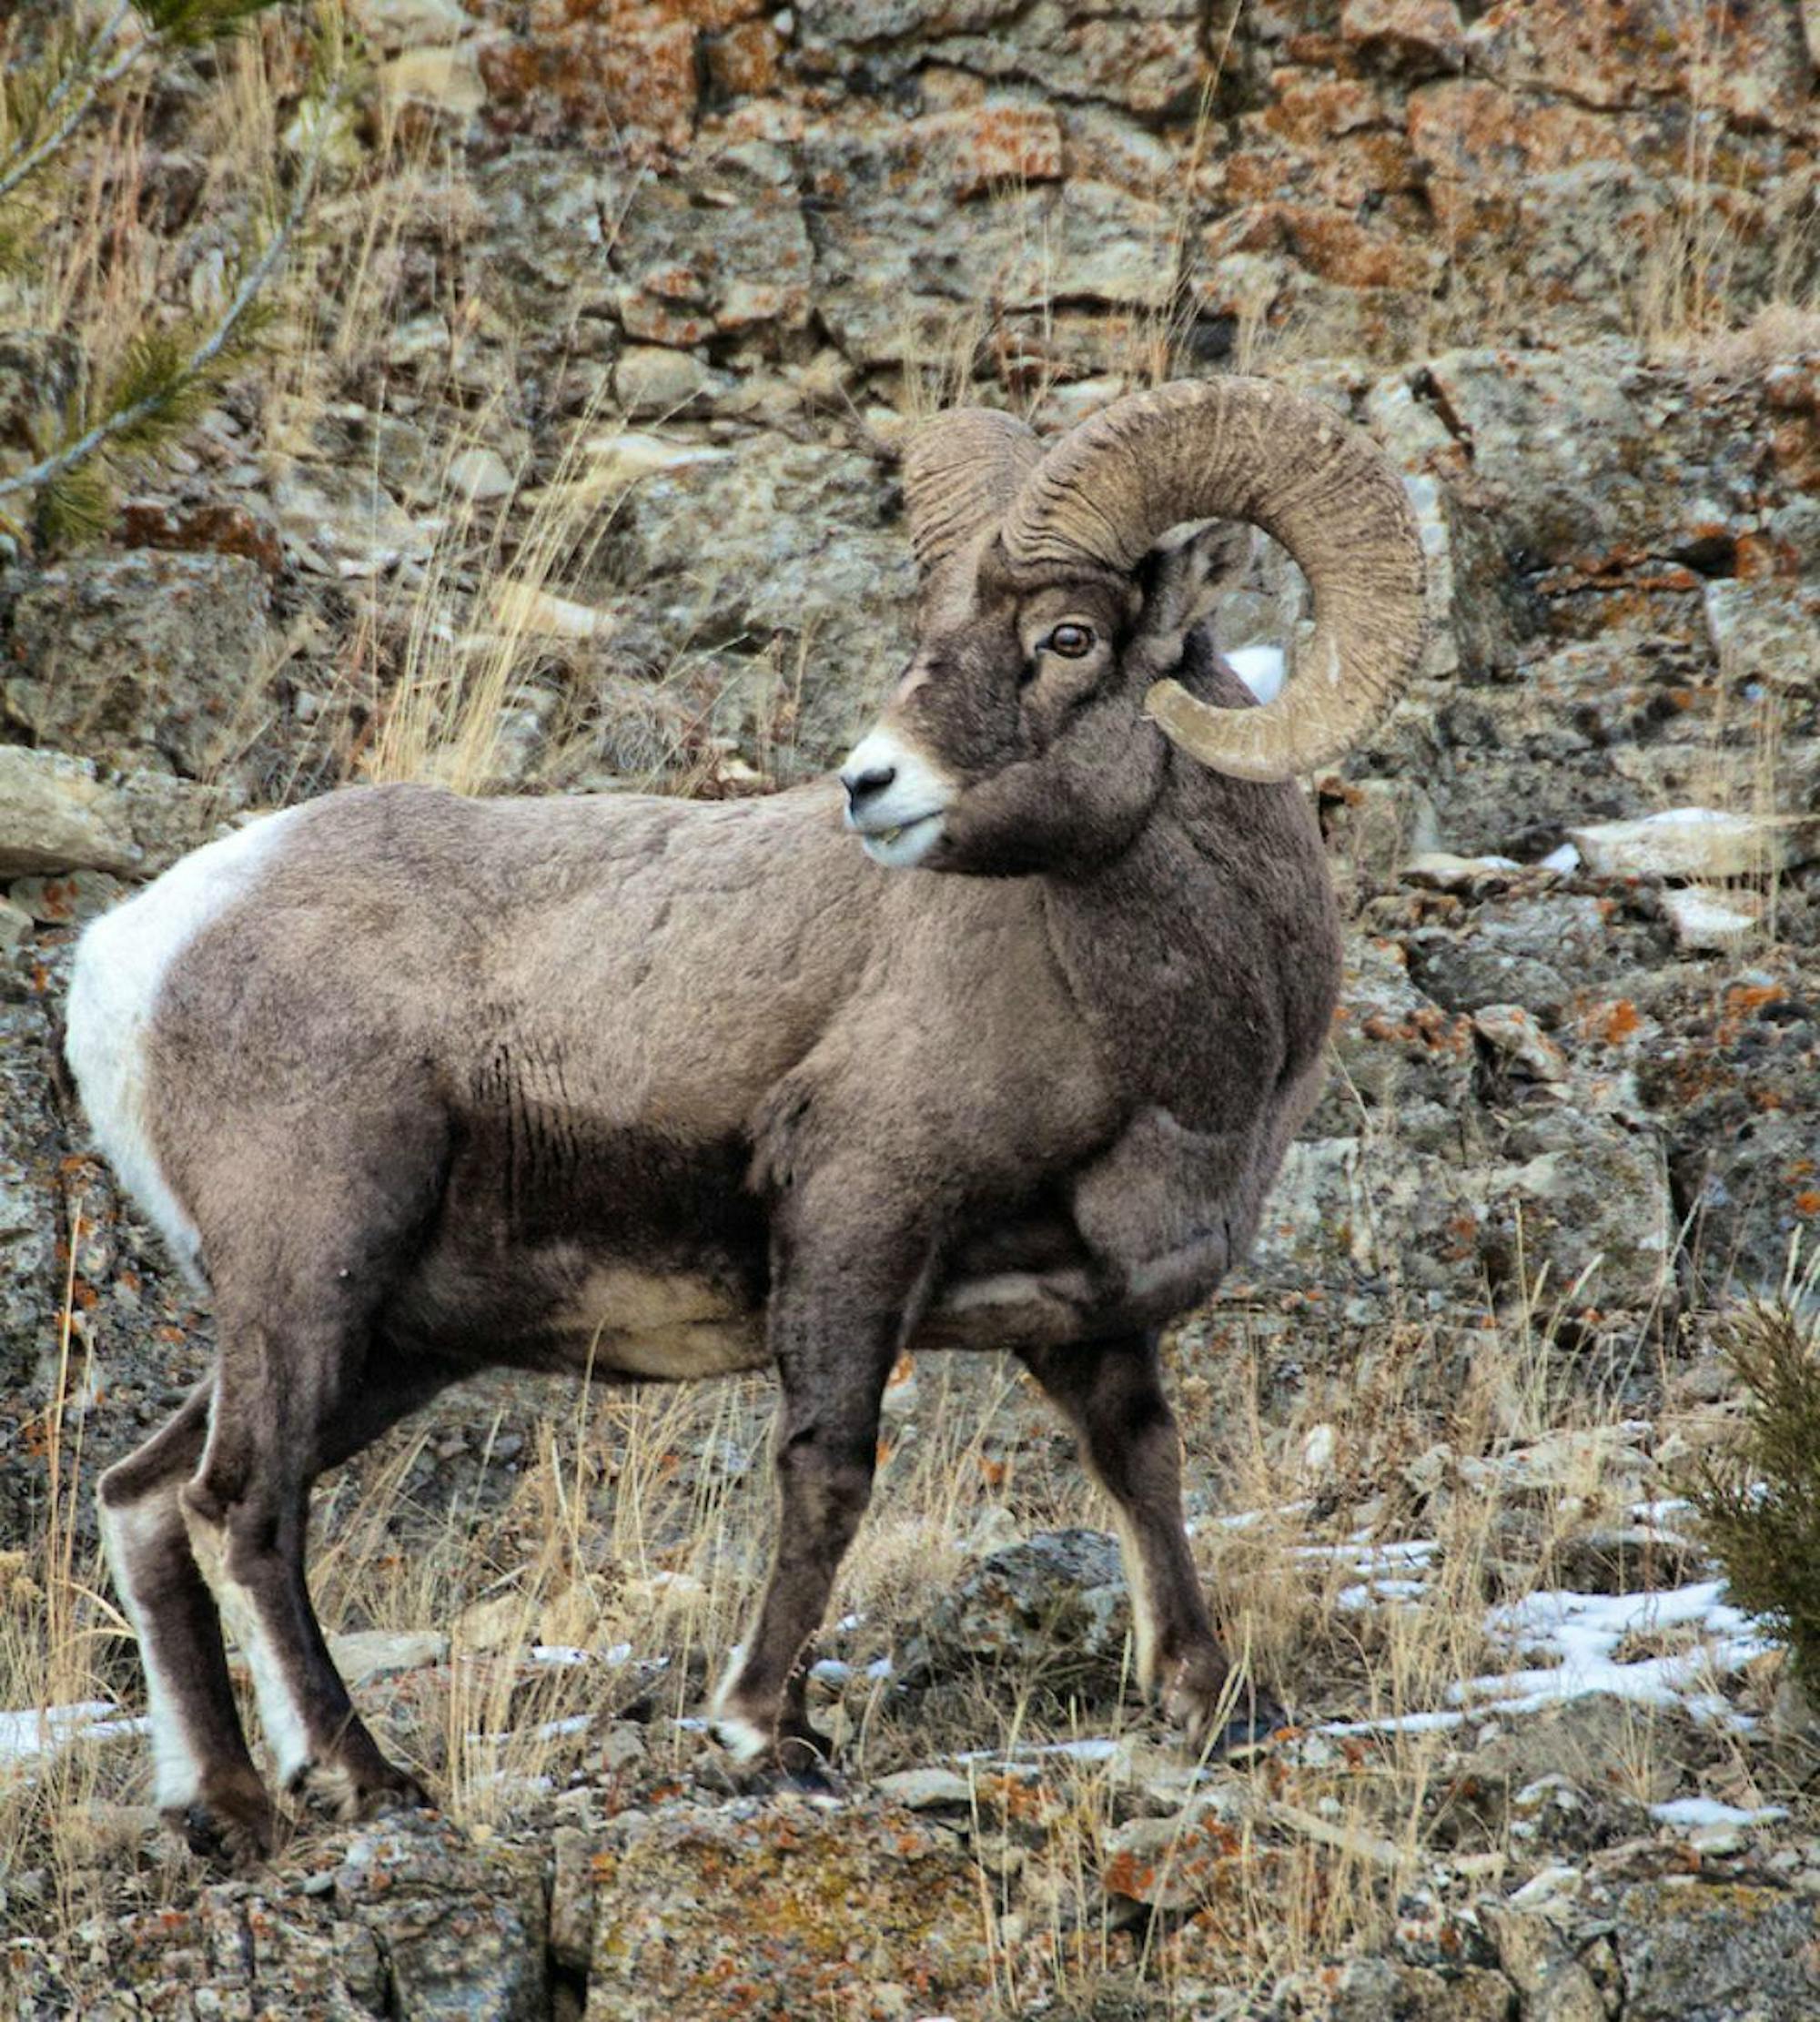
{"x":425,"y":1084}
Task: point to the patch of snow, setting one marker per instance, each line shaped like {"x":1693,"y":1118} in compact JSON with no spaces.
{"x":615,"y":1654}
{"x":1695,"y":1813}
{"x":1243,"y":1519}
{"x":1370,"y":1592}
{"x":1566,"y":860}
{"x":34,"y":1732}
{"x":1546,"y":1888}
{"x":1583,"y":1629}
{"x":550,"y":1730}
{"x":1395,"y":1723}
{"x":1393,"y":1552}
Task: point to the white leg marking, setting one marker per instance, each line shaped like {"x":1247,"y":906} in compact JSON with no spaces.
{"x":176,"y":1770}
{"x":119,"y":970}
{"x":280,"y":1713}
{"x":744,"y":1740}
{"x":1144,"y":1634}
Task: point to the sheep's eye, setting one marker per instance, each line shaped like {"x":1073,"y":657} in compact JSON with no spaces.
{"x":1072,"y":641}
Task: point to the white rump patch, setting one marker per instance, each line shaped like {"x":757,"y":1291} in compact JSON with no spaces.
{"x":1260,"y":668}
{"x":120,"y":966}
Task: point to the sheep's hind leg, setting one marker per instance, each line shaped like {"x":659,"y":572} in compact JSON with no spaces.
{"x":1111,"y":1392}
{"x":205,"y":1782}
{"x":290,"y":1402}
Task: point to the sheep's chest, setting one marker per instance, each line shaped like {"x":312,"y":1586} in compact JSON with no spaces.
{"x":1149,"y":1228}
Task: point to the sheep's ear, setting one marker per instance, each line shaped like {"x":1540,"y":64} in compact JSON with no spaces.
{"x":1187,"y":574}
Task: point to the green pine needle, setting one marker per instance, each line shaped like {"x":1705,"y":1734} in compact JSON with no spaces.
{"x":189,"y":24}
{"x":76,"y":506}
{"x":1759,"y":1504}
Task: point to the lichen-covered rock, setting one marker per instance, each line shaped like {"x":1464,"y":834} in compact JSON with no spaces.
{"x":41,"y":378}
{"x":780,"y":547}
{"x":896,"y":286}
{"x":607,"y":73}
{"x":1388,"y":1990}
{"x":1148,"y":57}
{"x":719,"y":249}
{"x":410,"y":1920}
{"x":1766,"y":632}
{"x":1634,"y":50}
{"x":1054,"y":1608}
{"x":782,"y":1910}
{"x":56,"y":815}
{"x":1732,"y":1077}
{"x":142,"y":658}
{"x":1420,"y":37}
{"x":32,"y":1204}
{"x":1729,"y":1952}
{"x":1557,"y":1979}
{"x":551,"y":220}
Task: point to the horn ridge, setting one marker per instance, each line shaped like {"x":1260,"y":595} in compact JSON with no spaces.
{"x":962,"y":470}
{"x":1237,"y":447}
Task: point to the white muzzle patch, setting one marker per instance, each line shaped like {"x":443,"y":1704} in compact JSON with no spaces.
{"x":896,"y":799}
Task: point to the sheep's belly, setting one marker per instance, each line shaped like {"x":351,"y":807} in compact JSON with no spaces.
{"x":661,"y":1325}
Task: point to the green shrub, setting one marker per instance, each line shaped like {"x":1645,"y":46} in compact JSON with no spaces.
{"x":1759,"y":1499}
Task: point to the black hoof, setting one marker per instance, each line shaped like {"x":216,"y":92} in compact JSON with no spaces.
{"x":234,"y":1833}
{"x":810,"y":1780}
{"x":336,"y":1791}
{"x":1249,"y":1731}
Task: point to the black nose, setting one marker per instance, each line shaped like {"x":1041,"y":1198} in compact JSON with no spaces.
{"x":863,"y":786}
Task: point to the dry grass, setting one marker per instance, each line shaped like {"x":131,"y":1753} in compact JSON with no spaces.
{"x":641,"y":1519}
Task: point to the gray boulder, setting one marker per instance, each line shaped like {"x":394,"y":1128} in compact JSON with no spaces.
{"x":141,"y":658}
{"x":56,"y":815}
{"x":1055,"y":1606}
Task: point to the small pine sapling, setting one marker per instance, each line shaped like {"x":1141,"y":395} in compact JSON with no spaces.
{"x":169,"y":372}
{"x":1759,"y":1499}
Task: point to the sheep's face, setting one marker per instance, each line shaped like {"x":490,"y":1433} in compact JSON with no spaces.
{"x":1015,"y":741}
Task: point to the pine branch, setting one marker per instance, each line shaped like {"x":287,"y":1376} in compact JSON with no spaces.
{"x":169,"y":25}
{"x":88,"y":84}
{"x":154,"y":383}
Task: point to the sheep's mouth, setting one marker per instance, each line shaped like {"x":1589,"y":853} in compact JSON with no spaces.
{"x":902,"y":843}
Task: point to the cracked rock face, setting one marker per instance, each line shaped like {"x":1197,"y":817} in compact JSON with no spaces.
{"x":679,"y":276}
{"x":408,"y":1919}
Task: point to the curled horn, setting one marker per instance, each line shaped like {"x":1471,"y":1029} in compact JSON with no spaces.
{"x":1244,"y":448}
{"x":960,"y":473}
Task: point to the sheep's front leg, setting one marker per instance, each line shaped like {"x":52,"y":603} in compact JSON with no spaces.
{"x":837,"y":1312}
{"x":1111,"y":1392}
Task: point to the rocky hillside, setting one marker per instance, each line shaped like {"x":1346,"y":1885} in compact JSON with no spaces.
{"x":570,"y":464}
